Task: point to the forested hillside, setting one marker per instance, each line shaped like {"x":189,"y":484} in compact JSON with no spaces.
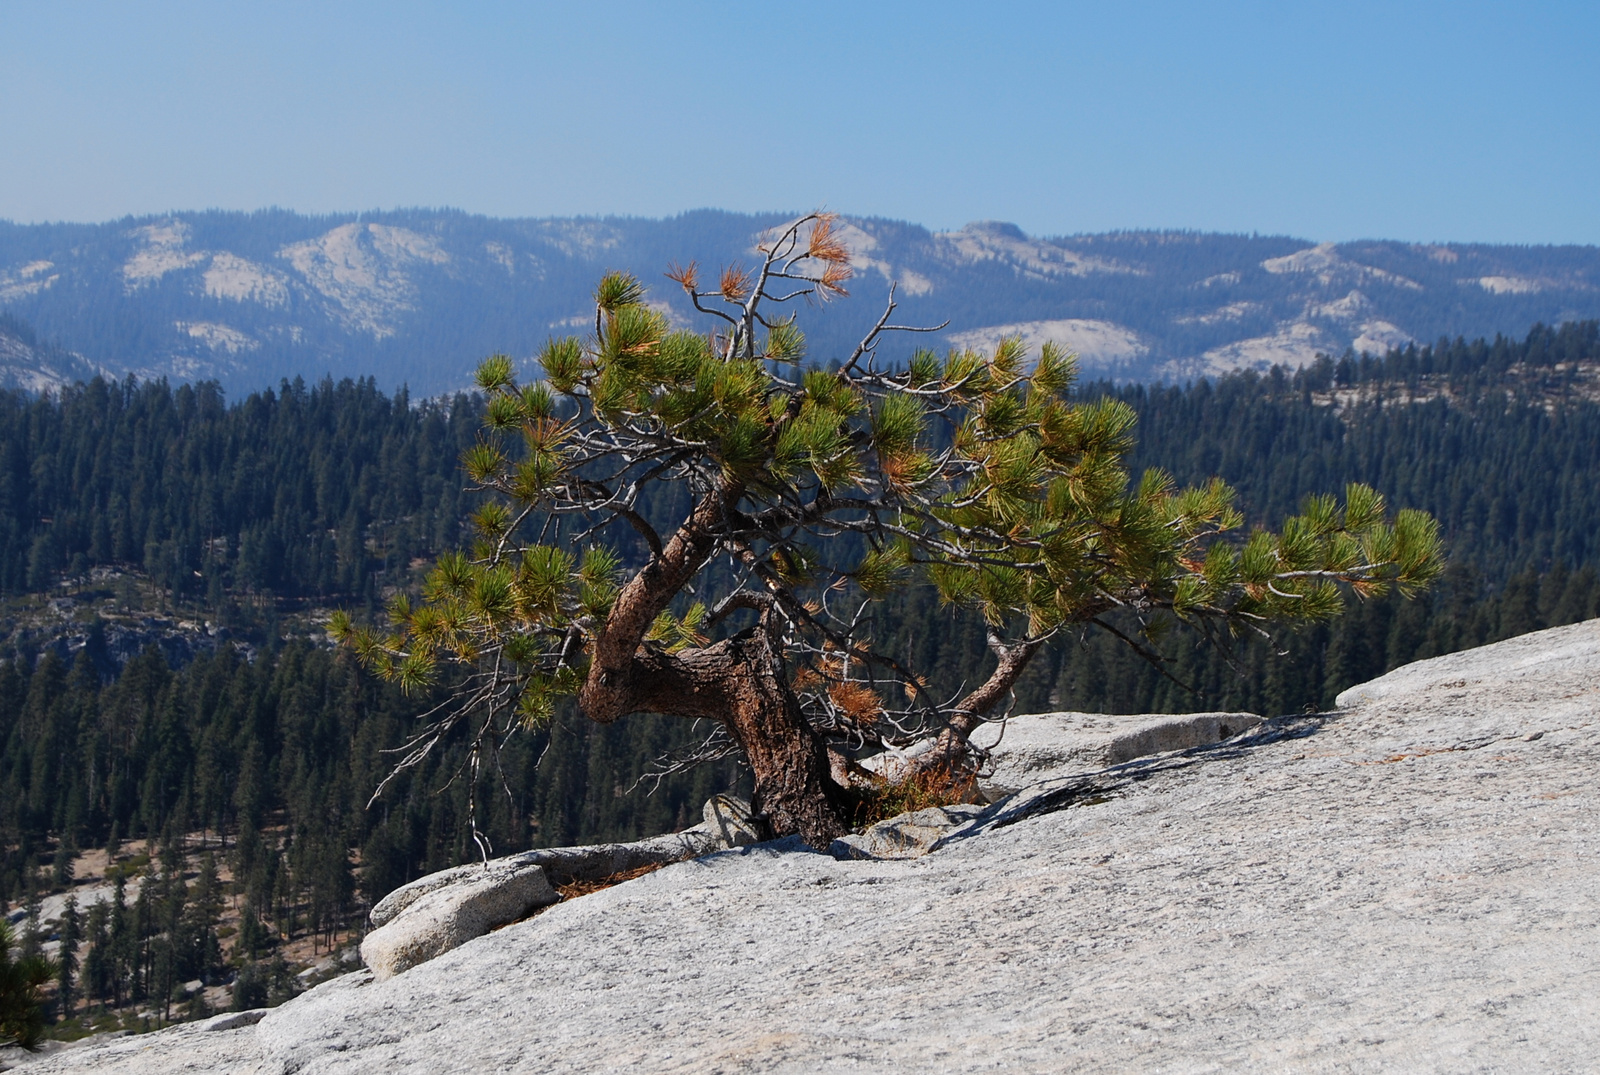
{"x":306,"y":492}
{"x":119,"y":499}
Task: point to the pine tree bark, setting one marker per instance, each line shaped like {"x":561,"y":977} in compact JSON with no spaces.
{"x":741,"y":682}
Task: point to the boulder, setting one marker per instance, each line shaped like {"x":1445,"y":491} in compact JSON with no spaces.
{"x":1048,"y":746}
{"x":596,"y":862}
{"x":233,"y":1020}
{"x":592,"y":862}
{"x":452,"y":915}
{"x":731,"y":821}
{"x":1030,"y":752}
{"x":443,"y":910}
{"x":908,"y":836}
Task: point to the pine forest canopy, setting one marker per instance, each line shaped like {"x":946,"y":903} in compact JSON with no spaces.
{"x":331,"y":492}
{"x":822,"y":490}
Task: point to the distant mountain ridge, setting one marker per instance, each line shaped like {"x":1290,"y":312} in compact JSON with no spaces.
{"x":418,"y":296}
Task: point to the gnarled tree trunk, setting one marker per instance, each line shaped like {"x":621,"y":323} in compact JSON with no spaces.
{"x":740,"y":682}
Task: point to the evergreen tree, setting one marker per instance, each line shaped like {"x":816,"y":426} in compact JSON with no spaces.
{"x":252,"y":939}
{"x":826,"y":489}
{"x":21,"y":976}
{"x":200,"y":951}
{"x":71,"y":935}
{"x":31,"y":948}
{"x":122,"y":944}
{"x":99,"y":967}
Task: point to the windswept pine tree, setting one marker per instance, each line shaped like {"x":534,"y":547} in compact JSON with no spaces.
{"x":823,"y":490}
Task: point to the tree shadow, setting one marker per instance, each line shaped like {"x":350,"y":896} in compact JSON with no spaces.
{"x":1091,"y":789}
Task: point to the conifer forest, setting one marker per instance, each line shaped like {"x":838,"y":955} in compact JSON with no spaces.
{"x":173,"y":715}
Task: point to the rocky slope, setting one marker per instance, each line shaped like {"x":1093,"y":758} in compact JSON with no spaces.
{"x":27,"y":364}
{"x":1408,"y":883}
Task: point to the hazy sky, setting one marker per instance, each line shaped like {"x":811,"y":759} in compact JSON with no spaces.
{"x":1447,"y":121}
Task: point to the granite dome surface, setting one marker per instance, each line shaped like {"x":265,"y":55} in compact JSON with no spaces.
{"x":1409,"y":883}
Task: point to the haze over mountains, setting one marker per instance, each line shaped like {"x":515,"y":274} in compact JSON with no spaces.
{"x":417,"y":297}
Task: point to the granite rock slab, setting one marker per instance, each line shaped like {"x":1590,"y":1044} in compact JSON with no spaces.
{"x":1411,"y":883}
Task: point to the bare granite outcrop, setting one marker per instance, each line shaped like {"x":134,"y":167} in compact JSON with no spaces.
{"x":452,"y":915}
{"x":1041,"y":746}
{"x":1410,"y":883}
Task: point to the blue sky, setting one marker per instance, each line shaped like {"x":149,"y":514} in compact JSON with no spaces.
{"x":1450,"y":121}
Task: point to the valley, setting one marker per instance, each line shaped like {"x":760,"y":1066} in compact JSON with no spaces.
{"x":168,"y":690}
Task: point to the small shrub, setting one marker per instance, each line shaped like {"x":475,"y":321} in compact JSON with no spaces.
{"x":932,"y":787}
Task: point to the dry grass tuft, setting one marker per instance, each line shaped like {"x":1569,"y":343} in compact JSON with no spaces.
{"x":933,"y":787}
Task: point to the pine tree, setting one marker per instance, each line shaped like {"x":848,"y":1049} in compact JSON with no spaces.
{"x":252,"y":938}
{"x":61,"y":865}
{"x":824,"y":490}
{"x":123,"y":945}
{"x":21,"y":976}
{"x":99,"y":965}
{"x":168,"y":948}
{"x":201,"y":949}
{"x":31,"y":947}
{"x":71,"y":934}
